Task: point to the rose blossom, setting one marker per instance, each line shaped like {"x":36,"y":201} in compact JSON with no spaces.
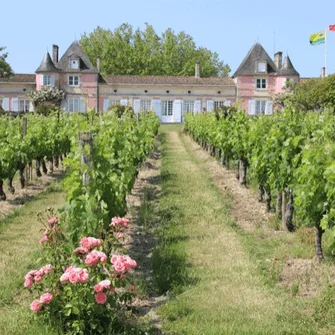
{"x":37,"y":279}
{"x":36,"y":306}
{"x":28,"y":282}
{"x":119,"y":235}
{"x":46,"y":269}
{"x":73,"y":277}
{"x":83,"y":276}
{"x":80,"y":250}
{"x":44,"y":239}
{"x":101,"y":298}
{"x":46,"y":298}
{"x":52,"y":220}
{"x":119,"y":267}
{"x":94,"y":257}
{"x":90,"y":242}
{"x":98,"y":288}
{"x":64,"y":277}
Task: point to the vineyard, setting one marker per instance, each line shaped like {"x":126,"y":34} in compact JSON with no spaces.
{"x":290,"y":156}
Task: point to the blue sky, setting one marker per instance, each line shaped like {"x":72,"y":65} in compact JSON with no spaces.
{"x":231,"y":27}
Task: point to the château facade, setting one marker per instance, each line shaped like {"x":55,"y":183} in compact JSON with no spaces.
{"x":252,"y":86}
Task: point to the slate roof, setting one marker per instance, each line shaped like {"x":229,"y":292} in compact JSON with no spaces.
{"x":19,"y":78}
{"x":256,"y":54}
{"x":85,"y":64}
{"x":47,"y":65}
{"x":287,"y":68}
{"x":167,"y":80}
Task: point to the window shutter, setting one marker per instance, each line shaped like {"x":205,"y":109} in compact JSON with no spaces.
{"x":15,"y":104}
{"x":137,"y":105}
{"x":251,"y":109}
{"x":210,"y":105}
{"x":82,"y":104}
{"x":156,"y":107}
{"x":268,"y":107}
{"x":124,"y":102}
{"x":52,"y":80}
{"x":41,"y":79}
{"x":5,"y":104}
{"x":64,"y":105}
{"x":176,"y":110}
{"x":227,"y":103}
{"x":197,"y":106}
{"x":31,"y":106}
{"x":105,"y":105}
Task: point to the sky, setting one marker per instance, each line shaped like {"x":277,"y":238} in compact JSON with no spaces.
{"x":229,"y":27}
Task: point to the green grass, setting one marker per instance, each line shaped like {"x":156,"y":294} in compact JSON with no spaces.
{"x":222,"y":279}
{"x":19,"y":250}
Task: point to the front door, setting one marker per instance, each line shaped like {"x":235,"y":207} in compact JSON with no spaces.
{"x":167,"y":111}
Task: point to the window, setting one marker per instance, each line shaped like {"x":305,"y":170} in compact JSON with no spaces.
{"x":114,"y":103}
{"x":73,"y":105}
{"x":74,"y":64}
{"x":24,"y":105}
{"x":218,"y":104}
{"x":261,"y":67}
{"x":74,"y":80}
{"x":145,"y":105}
{"x":260,"y":106}
{"x":167,"y":108}
{"x":47,"y":80}
{"x":188,"y":106}
{"x":261,"y":83}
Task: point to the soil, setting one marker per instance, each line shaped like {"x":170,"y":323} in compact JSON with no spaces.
{"x":146,"y":192}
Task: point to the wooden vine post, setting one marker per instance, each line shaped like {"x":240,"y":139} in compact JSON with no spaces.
{"x":86,"y":146}
{"x":27,"y":173}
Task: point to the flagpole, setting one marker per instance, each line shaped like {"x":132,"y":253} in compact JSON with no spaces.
{"x":325,"y":52}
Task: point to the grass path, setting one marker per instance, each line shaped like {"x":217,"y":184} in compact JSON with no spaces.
{"x":205,"y":260}
{"x":19,"y":249}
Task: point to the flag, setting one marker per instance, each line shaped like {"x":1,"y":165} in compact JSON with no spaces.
{"x":318,"y":38}
{"x":332,"y":27}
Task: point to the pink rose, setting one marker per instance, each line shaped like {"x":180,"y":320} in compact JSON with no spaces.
{"x":37,"y":279}
{"x":84,"y":242}
{"x":44,"y":239}
{"x":98,"y":288}
{"x":101,"y":298}
{"x":28,"y":282}
{"x":105,"y":283}
{"x":46,"y":269}
{"x":64,"y":277}
{"x":132,"y":287}
{"x":91,"y":259}
{"x":52,"y":220}
{"x":35,"y":306}
{"x":80,"y":250}
{"x":119,"y":235}
{"x":125,"y":222}
{"x":73,"y":277}
{"x":119,"y":266}
{"x":46,"y":298}
{"x":83,"y":276}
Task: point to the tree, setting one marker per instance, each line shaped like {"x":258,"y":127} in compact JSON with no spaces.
{"x":128,"y":52}
{"x":5,"y":68}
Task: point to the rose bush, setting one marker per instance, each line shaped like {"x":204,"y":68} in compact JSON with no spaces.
{"x":85,"y":290}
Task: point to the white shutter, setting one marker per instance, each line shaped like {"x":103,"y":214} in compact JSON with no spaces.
{"x":251,"y":109}
{"x":156,"y":107}
{"x":197,"y":106}
{"x":268,"y":107}
{"x":227,"y":103}
{"x":105,"y":105}
{"x":182,"y":110}
{"x":210,"y":105}
{"x":41,"y":79}
{"x":137,"y":105}
{"x":31,"y":106}
{"x":5,"y":104}
{"x":123,"y":102}
{"x":64,"y":105}
{"x":176,"y":110}
{"x":52,"y":80}
{"x":82,"y":105}
{"x":15,"y":104}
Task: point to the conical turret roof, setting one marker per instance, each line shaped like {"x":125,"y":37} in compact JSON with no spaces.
{"x":287,"y":68}
{"x":47,"y":65}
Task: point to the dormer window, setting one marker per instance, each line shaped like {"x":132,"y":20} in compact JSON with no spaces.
{"x":74,"y":64}
{"x":261,"y":67}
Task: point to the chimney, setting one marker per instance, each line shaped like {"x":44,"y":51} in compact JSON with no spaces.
{"x":197,"y":70}
{"x":98,"y":64}
{"x":55,"y":49}
{"x":323,"y":72}
{"x":278,"y":59}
